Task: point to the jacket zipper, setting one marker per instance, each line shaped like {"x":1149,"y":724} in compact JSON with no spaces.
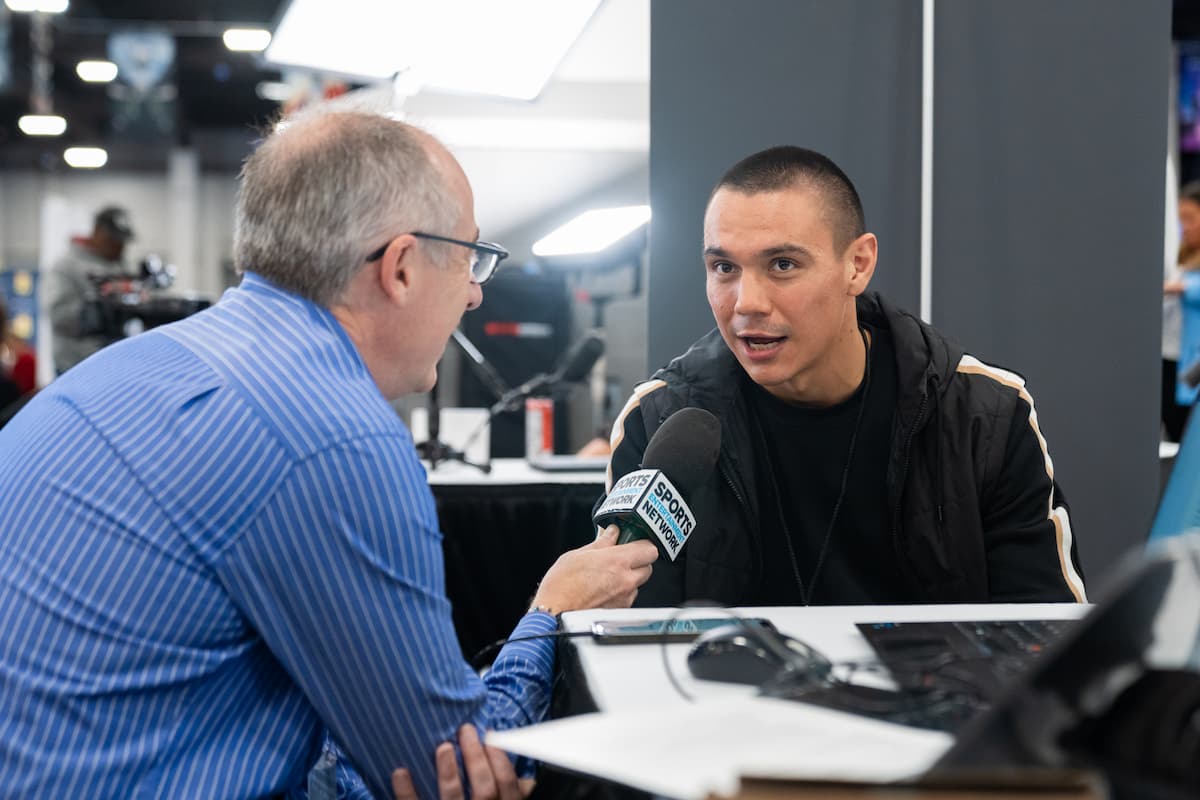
{"x":736,"y":494}
{"x":745,"y":508}
{"x":920,"y":418}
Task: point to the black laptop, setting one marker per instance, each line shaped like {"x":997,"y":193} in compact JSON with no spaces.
{"x":1046,"y":716}
{"x":1050,"y":698}
{"x":948,"y":671}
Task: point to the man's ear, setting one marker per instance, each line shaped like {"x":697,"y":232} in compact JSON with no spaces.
{"x":397,"y":268}
{"x":860,"y":260}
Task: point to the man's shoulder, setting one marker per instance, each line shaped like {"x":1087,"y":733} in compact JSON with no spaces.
{"x":293,"y":370}
{"x":991,"y":380}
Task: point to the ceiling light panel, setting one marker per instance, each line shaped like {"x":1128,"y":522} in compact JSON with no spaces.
{"x":275,"y":91}
{"x":45,"y":6}
{"x":42,"y":125}
{"x":471,"y":46}
{"x":246,"y":40}
{"x":85,"y":157}
{"x":592,"y":231}
{"x":96,"y":71}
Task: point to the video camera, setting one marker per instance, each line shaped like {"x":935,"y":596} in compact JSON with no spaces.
{"x":126,"y":305}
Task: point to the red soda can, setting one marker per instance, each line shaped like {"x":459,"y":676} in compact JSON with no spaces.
{"x":539,"y":426}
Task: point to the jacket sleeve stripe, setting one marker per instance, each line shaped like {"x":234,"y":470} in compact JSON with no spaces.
{"x":1056,"y":514}
{"x":618,"y":428}
{"x":1062,"y":529}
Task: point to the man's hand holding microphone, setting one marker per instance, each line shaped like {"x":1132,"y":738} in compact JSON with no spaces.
{"x":646,"y":512}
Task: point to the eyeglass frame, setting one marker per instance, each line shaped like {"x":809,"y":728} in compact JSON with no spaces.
{"x":480,"y":247}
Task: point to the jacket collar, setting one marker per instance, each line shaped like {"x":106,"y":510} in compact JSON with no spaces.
{"x":921,"y":352}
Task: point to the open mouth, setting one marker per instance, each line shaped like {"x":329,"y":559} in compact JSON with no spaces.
{"x":762,"y":343}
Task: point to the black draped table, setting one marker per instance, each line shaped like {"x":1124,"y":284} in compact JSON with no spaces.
{"x":502,"y":531}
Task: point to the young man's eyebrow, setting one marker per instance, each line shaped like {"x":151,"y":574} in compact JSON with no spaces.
{"x":769,"y":252}
{"x":786,"y":249}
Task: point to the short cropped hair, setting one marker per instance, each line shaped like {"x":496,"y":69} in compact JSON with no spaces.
{"x":1190,"y":191}
{"x":323,"y":191}
{"x":786,"y":166}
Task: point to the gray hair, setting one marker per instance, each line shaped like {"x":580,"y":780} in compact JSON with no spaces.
{"x":324,"y":190}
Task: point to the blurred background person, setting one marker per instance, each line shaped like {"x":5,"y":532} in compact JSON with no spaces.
{"x":77,"y":282}
{"x":1181,"y":317}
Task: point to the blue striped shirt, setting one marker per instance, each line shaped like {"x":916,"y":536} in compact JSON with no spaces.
{"x":216,"y":540}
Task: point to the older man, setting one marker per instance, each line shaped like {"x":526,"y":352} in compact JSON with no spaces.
{"x":865,"y":458}
{"x":216,"y":540}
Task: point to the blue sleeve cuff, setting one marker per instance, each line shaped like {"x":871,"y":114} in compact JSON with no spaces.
{"x":535,"y":623}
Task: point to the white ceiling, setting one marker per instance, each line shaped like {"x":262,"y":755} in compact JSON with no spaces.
{"x":589,"y":126}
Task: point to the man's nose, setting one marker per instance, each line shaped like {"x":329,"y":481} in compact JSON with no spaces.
{"x":474,"y":296}
{"x":753,"y":295}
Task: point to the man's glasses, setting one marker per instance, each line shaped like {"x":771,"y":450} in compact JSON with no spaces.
{"x":485,"y":256}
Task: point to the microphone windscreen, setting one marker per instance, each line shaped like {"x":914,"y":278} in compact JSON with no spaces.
{"x":582,"y":358}
{"x":685,"y":448}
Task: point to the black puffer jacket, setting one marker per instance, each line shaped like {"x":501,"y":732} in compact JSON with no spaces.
{"x":977,"y":515}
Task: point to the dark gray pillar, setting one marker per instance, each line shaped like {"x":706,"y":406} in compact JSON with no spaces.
{"x":1049,"y":158}
{"x":730,"y":78}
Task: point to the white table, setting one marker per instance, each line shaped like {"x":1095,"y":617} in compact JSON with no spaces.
{"x":647,"y":736}
{"x":627,"y":676}
{"x":506,"y":472}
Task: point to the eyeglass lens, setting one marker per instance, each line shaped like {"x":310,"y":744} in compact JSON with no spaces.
{"x":482,"y":266}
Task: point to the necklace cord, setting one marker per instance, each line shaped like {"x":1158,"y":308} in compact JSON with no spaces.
{"x":806,"y":595}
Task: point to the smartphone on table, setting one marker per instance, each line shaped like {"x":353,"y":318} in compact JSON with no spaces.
{"x":662,"y":630}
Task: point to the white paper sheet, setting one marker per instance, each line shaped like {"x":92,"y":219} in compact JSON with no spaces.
{"x":693,"y":751}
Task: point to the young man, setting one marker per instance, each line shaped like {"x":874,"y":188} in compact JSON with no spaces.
{"x":864,"y":458}
{"x":216,"y":540}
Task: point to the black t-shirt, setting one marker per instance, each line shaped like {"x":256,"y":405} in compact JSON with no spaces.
{"x":802,"y":454}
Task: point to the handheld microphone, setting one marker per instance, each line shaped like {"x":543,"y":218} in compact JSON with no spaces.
{"x":646,"y":504}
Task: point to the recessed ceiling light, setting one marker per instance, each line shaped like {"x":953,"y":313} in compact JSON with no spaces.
{"x":96,"y":71}
{"x":42,"y":125}
{"x":275,"y":91}
{"x":592,"y":231}
{"x":45,"y":6}
{"x":247,"y":40}
{"x":85,"y":157}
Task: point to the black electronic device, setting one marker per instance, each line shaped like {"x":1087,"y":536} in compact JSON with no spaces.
{"x":979,"y":656}
{"x":126,"y":305}
{"x":643,"y":631}
{"x":756,"y":654}
{"x":1091,"y":694}
{"x":568,"y":463}
{"x":1034,"y":718}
